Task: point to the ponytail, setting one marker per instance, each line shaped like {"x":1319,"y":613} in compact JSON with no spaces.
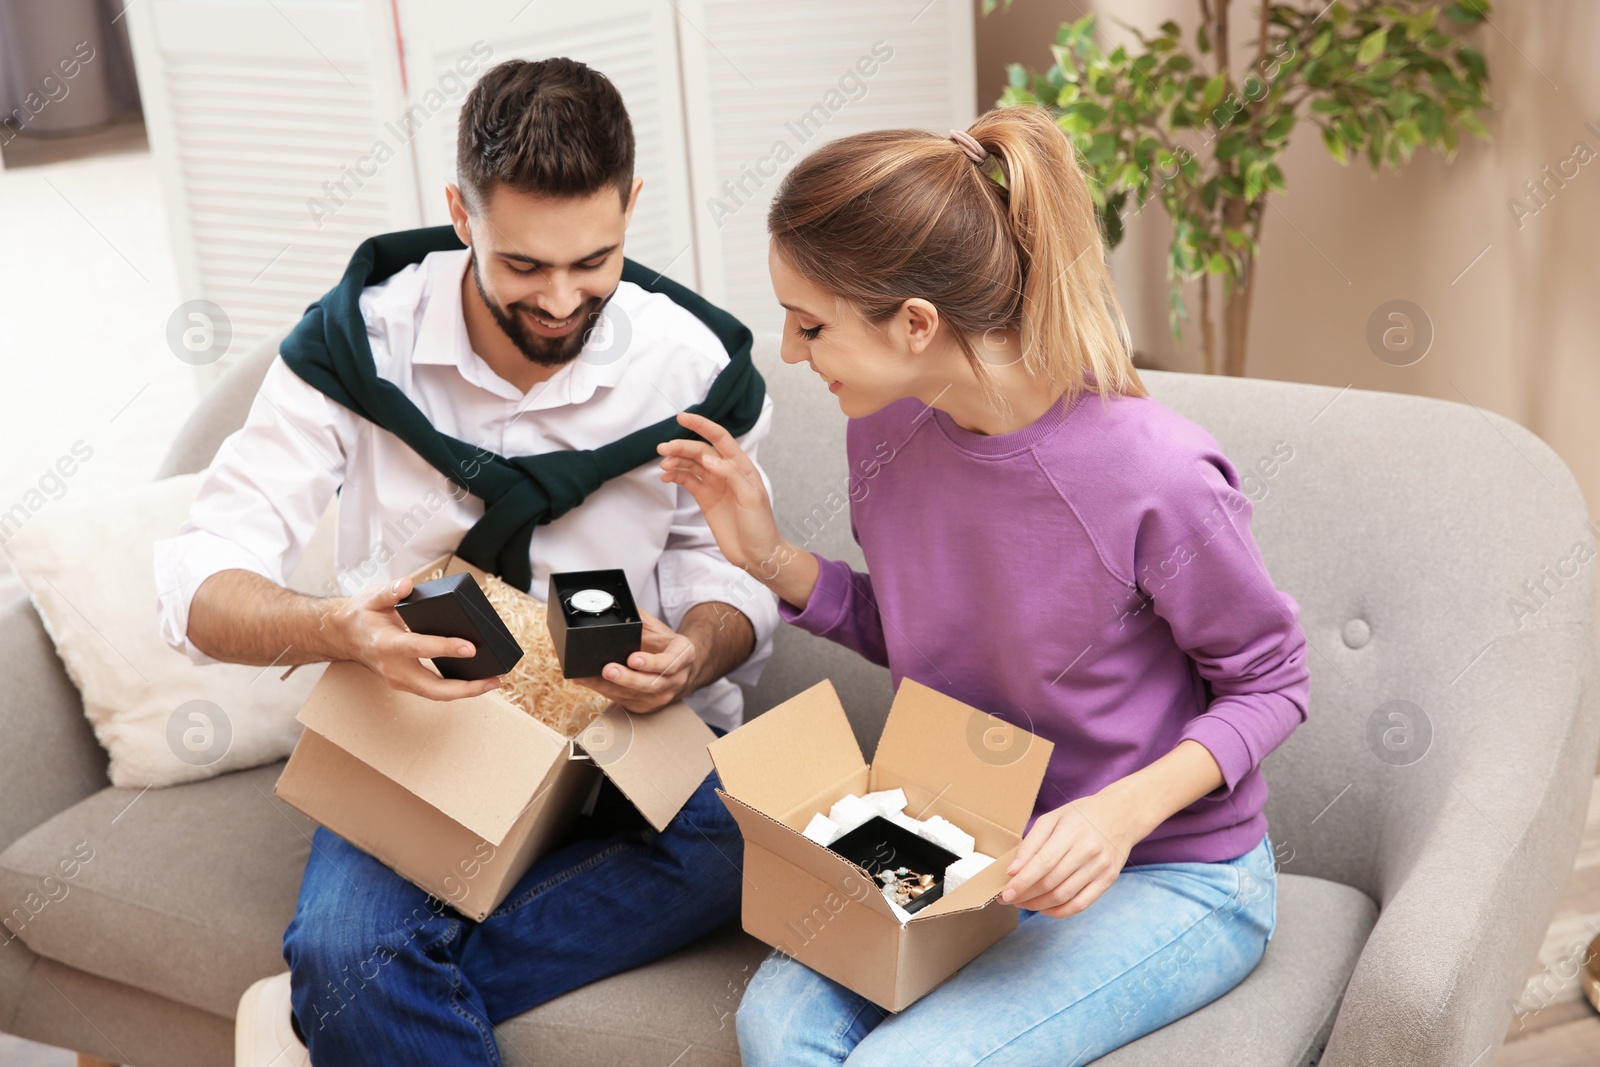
{"x":1010,"y":243}
{"x":1072,"y":321}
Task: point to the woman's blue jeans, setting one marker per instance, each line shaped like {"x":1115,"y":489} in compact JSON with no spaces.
{"x":383,"y":973}
{"x":1163,"y":941}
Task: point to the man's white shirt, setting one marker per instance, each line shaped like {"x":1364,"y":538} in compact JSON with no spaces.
{"x":270,"y":482}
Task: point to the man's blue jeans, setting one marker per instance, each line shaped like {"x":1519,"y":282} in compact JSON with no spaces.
{"x":1165,"y":940}
{"x":383,"y":973}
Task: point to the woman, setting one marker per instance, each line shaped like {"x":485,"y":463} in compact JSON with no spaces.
{"x":1080,"y":567}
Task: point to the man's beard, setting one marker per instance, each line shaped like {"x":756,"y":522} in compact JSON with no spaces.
{"x":545,"y":351}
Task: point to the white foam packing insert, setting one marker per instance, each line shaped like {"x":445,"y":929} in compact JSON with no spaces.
{"x":850,"y":811}
{"x":886,"y":802}
{"x":946,"y":834}
{"x":822,"y":830}
{"x":964,"y":868}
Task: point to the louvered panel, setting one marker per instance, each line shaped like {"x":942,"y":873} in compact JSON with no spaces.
{"x":257,"y":113}
{"x":630,"y":41}
{"x":285,"y":161}
{"x":751,"y":91}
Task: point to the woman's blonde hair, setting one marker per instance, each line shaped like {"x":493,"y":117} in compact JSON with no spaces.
{"x":878,"y":218}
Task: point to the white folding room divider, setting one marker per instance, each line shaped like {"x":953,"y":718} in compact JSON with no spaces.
{"x":287,"y":132}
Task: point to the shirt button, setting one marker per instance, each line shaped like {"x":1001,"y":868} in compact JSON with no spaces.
{"x":1357,"y":633}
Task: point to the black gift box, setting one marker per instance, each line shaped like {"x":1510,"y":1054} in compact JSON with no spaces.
{"x":881,"y":845}
{"x":586,"y":643}
{"x":455,"y":606}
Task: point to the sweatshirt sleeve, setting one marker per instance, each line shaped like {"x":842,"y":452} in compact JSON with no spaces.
{"x":1197,"y":561}
{"x":843,"y":609}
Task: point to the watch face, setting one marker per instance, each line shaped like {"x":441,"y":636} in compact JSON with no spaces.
{"x":591,"y":601}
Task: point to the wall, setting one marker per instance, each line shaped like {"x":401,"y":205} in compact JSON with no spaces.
{"x":1513,"y":303}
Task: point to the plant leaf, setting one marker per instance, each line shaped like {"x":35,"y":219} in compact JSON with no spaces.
{"x":1472,"y":124}
{"x":1371,"y":46}
{"x":1335,"y":145}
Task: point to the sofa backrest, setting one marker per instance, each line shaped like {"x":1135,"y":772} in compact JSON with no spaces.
{"x":1405,"y":528}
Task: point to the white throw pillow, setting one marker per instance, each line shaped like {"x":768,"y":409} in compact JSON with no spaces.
{"x":87,"y":564}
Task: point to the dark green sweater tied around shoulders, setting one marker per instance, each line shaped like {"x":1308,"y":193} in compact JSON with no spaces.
{"x":328,"y":349}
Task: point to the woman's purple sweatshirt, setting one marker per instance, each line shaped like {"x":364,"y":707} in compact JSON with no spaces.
{"x":1090,"y":577}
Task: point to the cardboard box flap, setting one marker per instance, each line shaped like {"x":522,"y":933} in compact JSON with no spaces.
{"x":478,"y":760}
{"x":658,"y":759}
{"x":784,"y":756}
{"x":816,"y":860}
{"x":978,"y":761}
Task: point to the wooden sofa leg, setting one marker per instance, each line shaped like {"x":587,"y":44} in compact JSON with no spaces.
{"x":93,"y":1061}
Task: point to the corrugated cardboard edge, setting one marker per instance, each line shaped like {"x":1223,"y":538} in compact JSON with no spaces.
{"x":658,"y":759}
{"x":985,"y":890}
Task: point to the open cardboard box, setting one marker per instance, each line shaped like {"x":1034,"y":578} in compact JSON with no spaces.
{"x":460,"y":797}
{"x":814,"y":905}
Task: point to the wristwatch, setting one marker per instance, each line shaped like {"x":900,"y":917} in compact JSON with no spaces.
{"x":590,"y":602}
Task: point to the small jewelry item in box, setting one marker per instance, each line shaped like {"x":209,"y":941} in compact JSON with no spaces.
{"x":910,"y":869}
{"x":916,"y":861}
{"x":592,"y":621}
{"x":455,"y":606}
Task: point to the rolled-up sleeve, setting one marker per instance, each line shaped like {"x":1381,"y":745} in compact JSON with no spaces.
{"x":1200,"y":565}
{"x":258,"y":503}
{"x":692,"y":569}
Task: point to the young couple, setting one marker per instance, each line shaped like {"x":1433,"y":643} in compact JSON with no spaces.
{"x":1048,"y":544}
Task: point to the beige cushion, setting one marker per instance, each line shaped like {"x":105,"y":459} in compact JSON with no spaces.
{"x":184,"y":892}
{"x":88,"y":566}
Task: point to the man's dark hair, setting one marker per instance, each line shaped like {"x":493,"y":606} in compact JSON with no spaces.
{"x":554,"y":127}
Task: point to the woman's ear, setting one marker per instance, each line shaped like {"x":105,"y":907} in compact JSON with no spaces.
{"x":921,"y":322}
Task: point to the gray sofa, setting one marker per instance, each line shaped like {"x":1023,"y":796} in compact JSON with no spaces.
{"x":1413,"y":895}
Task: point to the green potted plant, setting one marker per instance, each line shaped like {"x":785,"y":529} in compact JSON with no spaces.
{"x":1201,"y":131}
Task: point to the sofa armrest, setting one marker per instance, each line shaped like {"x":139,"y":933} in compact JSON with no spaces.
{"x":49,"y":758}
{"x":1474,"y":853}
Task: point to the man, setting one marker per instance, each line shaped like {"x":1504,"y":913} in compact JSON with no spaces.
{"x":525,"y":343}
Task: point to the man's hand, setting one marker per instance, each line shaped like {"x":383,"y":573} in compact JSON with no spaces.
{"x":374,"y":634}
{"x":661,"y":672}
{"x":714,"y":638}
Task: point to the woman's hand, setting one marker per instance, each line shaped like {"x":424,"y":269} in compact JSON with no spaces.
{"x":733,"y":498}
{"x":1072,"y":855}
{"x":730,"y":492}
